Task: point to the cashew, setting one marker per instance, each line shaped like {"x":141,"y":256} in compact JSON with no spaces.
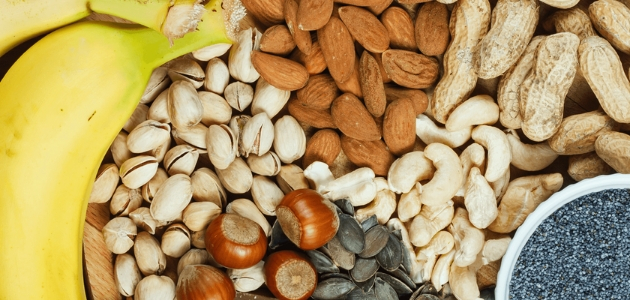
{"x":441,"y":243}
{"x":429,"y":133}
{"x":319,"y":175}
{"x":463,"y":282}
{"x":494,"y":249}
{"x":530,"y":157}
{"x":355,"y":177}
{"x":480,"y":200}
{"x":290,"y":178}
{"x":473,"y":156}
{"x":381,"y":184}
{"x":523,"y":195}
{"x":430,"y":221}
{"x":500,"y":186}
{"x":358,"y":194}
{"x":416,"y":268}
{"x":447,"y":178}
{"x":477,"y":110}
{"x":468,"y":239}
{"x":442,"y":270}
{"x":383,"y":206}
{"x":408,"y":170}
{"x":409,"y":204}
{"x":499,"y":155}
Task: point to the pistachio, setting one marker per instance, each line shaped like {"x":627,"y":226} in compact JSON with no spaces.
{"x":138,"y":116}
{"x":186,"y":69}
{"x":126,"y":274}
{"x":236,"y":124}
{"x":124,"y":201}
{"x":119,"y":150}
{"x":209,"y":52}
{"x":160,"y":151}
{"x":217,"y":76}
{"x":237,"y":178}
{"x":155,"y":287}
{"x":158,"y":82}
{"x":267,"y":164}
{"x":143,"y":219}
{"x":206,"y":187}
{"x":150,"y":188}
{"x":198,"y":215}
{"x":148,"y":135}
{"x":138,"y":170}
{"x":289,"y":139}
{"x":181,"y":159}
{"x":222,"y":145}
{"x":195,"y":257}
{"x":105,"y":183}
{"x":171,"y":198}
{"x":175,"y":240}
{"x":198,"y":239}
{"x":247,"y":280}
{"x":216,"y":110}
{"x":149,"y":255}
{"x":119,"y":234}
{"x":239,"y":95}
{"x":194,"y":136}
{"x":267,"y":195}
{"x":290,"y":178}
{"x":257,"y":135}
{"x":159,"y":108}
{"x":247,"y":208}
{"x":268,"y":98}
{"x":239,"y":61}
{"x":183,"y":105}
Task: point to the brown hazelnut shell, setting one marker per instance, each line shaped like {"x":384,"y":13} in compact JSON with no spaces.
{"x":204,"y":282}
{"x":289,"y":275}
{"x":235,"y":242}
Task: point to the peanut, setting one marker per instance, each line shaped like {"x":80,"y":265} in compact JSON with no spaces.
{"x":577,"y":133}
{"x":614,"y":149}
{"x":612,"y":20}
{"x":571,"y":20}
{"x":587,"y":165}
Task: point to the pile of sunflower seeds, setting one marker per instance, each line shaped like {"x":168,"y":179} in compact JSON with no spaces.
{"x":363,"y":261}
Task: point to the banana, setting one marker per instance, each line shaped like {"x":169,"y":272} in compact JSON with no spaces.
{"x":61,"y":105}
{"x":21,"y":20}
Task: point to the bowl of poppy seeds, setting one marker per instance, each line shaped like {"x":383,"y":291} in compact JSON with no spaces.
{"x":575,"y":245}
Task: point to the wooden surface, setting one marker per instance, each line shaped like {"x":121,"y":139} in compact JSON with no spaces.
{"x":99,"y":261}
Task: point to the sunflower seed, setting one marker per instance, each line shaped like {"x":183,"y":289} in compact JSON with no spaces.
{"x":359,"y":294}
{"x":391,"y":256}
{"x":400,"y":287}
{"x":351,"y":234}
{"x":375,"y":240}
{"x":424,"y":297}
{"x":335,"y":275}
{"x":322,"y":263}
{"x":339,"y":254}
{"x":383,"y":290}
{"x":367,"y":286}
{"x":487,"y":294}
{"x":345,"y":206}
{"x":426,"y":288}
{"x":364,"y":268}
{"x":398,"y":234}
{"x":368,"y":223}
{"x":277,"y":237}
{"x":407,"y":263}
{"x":404,"y":277}
{"x":333,"y":288}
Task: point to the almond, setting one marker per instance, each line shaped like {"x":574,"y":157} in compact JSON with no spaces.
{"x":410,"y":69}
{"x":314,"y":14}
{"x":338,"y":49}
{"x":314,"y":62}
{"x":302,"y":38}
{"x":352,"y":85}
{"x":362,"y":2}
{"x":399,"y":126}
{"x":267,"y":12}
{"x":431,"y":28}
{"x":378,"y":9}
{"x":323,"y":146}
{"x":418,"y":98}
{"x":318,"y":118}
{"x":319,"y":93}
{"x":353,"y":119}
{"x":280,"y":72}
{"x":366,"y":29}
{"x":400,"y":28}
{"x":379,"y":60}
{"x":373,"y":155}
{"x":277,"y":40}
{"x":372,"y":85}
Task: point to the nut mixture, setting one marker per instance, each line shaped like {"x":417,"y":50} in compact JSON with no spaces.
{"x":373,"y":104}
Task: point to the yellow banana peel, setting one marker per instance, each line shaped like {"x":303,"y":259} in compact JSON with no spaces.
{"x":61,"y":105}
{"x":21,"y":20}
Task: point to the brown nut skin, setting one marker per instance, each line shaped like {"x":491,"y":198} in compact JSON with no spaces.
{"x":235,"y":242}
{"x":204,"y":282}
{"x":289,"y":275}
{"x":307,"y":219}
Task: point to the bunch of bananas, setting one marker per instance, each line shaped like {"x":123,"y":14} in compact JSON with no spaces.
{"x":61,"y":105}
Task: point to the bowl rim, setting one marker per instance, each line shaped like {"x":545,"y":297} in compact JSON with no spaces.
{"x":545,"y":209}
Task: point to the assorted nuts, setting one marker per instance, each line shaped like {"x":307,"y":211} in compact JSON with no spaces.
{"x":361,"y":149}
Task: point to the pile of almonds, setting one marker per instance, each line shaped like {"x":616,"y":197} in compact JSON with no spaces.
{"x":424,"y":116}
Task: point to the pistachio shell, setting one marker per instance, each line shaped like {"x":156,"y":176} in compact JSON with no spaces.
{"x":158,"y":110}
{"x":155,"y":287}
{"x":138,"y":116}
{"x":171,"y":198}
{"x":149,"y":255}
{"x":126,"y":274}
{"x":207,"y":187}
{"x":222,"y":145}
{"x":267,"y":164}
{"x":186,"y":69}
{"x":247,"y":208}
{"x":138,"y":170}
{"x":216,"y":110}
{"x":239,"y":61}
{"x":257,"y":135}
{"x":198,"y":215}
{"x":217,"y":76}
{"x":194,"y":136}
{"x":124,"y":201}
{"x":289,"y":139}
{"x":183,"y":104}
{"x":119,"y":150}
{"x":247,"y":280}
{"x":181,"y":159}
{"x":105,"y":183}
{"x":143,"y":219}
{"x":237,"y":178}
{"x":239,"y":95}
{"x":150,"y":188}
{"x":158,"y":82}
{"x":148,"y":135}
{"x":175,"y":240}
{"x":267,"y":195}
{"x":291,"y":178}
{"x":119,"y":234}
{"x":268,"y":99}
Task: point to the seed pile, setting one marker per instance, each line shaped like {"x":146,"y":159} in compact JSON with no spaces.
{"x":580,"y":251}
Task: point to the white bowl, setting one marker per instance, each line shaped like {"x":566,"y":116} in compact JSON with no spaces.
{"x":545,"y":209}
